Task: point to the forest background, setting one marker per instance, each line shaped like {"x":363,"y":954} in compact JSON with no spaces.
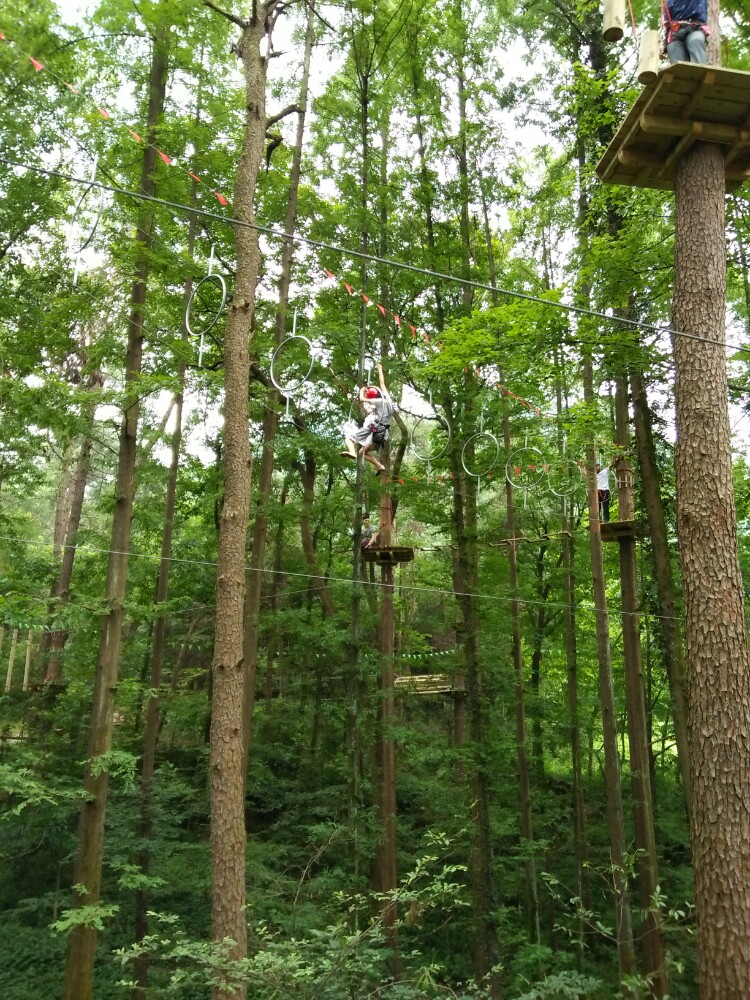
{"x":455,"y":836}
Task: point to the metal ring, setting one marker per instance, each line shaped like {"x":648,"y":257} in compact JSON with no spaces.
{"x":293,"y":386}
{"x":433,"y":456}
{"x":217,"y":280}
{"x":573,"y":484}
{"x":510,"y":464}
{"x":100,"y":209}
{"x":474,"y":437}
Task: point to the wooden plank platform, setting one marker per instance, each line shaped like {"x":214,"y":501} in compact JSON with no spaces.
{"x":430,"y":684}
{"x":388,"y":556}
{"x":687,"y":103}
{"x":612,"y":531}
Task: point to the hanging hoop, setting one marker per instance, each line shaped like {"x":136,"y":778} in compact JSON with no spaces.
{"x":99,"y":210}
{"x":86,"y":241}
{"x":439,"y":452}
{"x":209,"y":279}
{"x":564,"y":478}
{"x":522,"y":462}
{"x":493,"y":442}
{"x":292,"y":387}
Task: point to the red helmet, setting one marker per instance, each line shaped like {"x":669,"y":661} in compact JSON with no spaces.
{"x":372,"y":393}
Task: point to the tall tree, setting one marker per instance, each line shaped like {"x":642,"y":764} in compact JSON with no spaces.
{"x":79,"y":969}
{"x":717,"y":655}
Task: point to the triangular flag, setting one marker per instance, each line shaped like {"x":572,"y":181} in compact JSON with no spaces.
{"x":397,"y":320}
{"x":70,"y":87}
{"x":367,"y":301}
{"x":105,"y":114}
{"x":134,"y":134}
{"x":330,"y":273}
{"x":382,"y":310}
{"x":37,"y":65}
{"x":427,"y":338}
{"x":3,"y":37}
{"x":194,"y":176}
{"x":413,"y":330}
{"x":165,"y":158}
{"x":222,"y":200}
{"x":348,"y":288}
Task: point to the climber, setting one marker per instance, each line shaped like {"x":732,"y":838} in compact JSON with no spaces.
{"x":686,"y":30}
{"x":373,"y":433}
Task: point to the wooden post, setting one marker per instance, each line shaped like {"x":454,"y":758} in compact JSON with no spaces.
{"x":27,"y":662}
{"x":613,"y":20}
{"x":11,"y":660}
{"x":648,"y":58}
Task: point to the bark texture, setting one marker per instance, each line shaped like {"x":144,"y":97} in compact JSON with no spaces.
{"x":717,"y":659}
{"x":227,"y":739}
{"x":79,"y":968}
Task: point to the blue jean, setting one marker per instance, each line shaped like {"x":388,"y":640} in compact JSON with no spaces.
{"x":688,"y":45}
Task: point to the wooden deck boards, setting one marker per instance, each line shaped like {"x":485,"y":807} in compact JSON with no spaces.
{"x":687,"y":103}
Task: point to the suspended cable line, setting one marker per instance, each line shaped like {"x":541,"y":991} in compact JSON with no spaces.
{"x":384,"y":261}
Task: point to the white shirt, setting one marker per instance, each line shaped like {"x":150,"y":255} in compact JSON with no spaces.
{"x":602,"y":479}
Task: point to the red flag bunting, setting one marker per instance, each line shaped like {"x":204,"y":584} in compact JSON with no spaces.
{"x":3,"y":37}
{"x":37,"y":65}
{"x":397,"y":320}
{"x":70,"y":87}
{"x":413,"y":330}
{"x":329,"y":273}
{"x":348,"y":288}
{"x":427,"y":338}
{"x":367,"y":301}
{"x":382,"y":310}
{"x":222,"y":200}
{"x":105,"y":114}
{"x":166,"y":159}
{"x":134,"y":134}
{"x":194,"y":176}
{"x":402,"y":482}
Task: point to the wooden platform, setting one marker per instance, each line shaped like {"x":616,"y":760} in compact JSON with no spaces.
{"x":430,"y":684}
{"x":613,"y":531}
{"x":388,"y":556}
{"x":687,"y":103}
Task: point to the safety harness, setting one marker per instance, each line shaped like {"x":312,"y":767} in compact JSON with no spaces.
{"x":672,"y":27}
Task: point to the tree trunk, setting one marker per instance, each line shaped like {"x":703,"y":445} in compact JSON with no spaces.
{"x":623,"y":921}
{"x":484,"y":902}
{"x":228,"y":670}
{"x":669,"y":620}
{"x":271,"y":419}
{"x":154,"y":714}
{"x":79,"y":968}
{"x":717,"y":659}
{"x":53,"y":641}
{"x":645,"y":841}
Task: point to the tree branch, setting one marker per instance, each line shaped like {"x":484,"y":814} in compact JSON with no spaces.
{"x":239,"y":21}
{"x":291,"y":110}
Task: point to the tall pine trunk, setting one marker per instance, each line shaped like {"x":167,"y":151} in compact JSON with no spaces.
{"x":717,"y":658}
{"x":227,"y":735}
{"x":79,"y":968}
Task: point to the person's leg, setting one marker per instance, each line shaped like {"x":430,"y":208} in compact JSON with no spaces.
{"x":368,"y":457}
{"x":696,"y":46}
{"x":351,"y":450}
{"x":605,"y":504}
{"x":676,"y":50}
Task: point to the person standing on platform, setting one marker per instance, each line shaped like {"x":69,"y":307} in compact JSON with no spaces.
{"x":686,"y":30}
{"x":603,"y":491}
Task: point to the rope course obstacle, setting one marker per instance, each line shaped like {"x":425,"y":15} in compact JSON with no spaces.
{"x":208,"y":323}
{"x":75,"y":225}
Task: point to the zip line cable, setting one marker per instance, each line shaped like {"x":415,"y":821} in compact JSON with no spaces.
{"x":385,"y":261}
{"x":155,"y":557}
